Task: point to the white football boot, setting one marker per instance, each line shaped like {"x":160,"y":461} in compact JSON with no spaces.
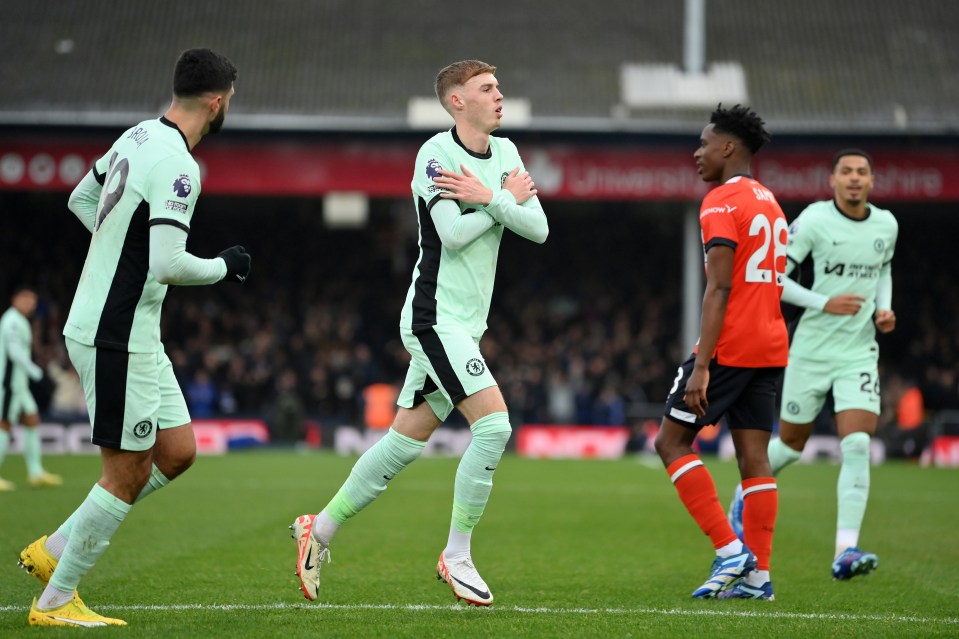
{"x":309,"y":555}
{"x":465,"y":582}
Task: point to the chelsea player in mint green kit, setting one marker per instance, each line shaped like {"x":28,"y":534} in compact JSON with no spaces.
{"x":16,"y":401}
{"x":137,"y":202}
{"x":467,"y":188}
{"x":834,"y":347}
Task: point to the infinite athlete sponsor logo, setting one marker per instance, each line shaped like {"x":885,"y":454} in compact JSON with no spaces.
{"x":475,"y":367}
{"x":176,"y":207}
{"x":858,"y":271}
{"x":182,"y":185}
{"x":142,"y":429}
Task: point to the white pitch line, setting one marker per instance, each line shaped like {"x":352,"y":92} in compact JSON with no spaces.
{"x":771,"y":614}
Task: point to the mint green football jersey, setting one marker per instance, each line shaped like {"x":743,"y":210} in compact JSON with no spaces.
{"x":148,"y":177}
{"x":848,"y":256}
{"x":14,"y":329}
{"x":455,"y":285}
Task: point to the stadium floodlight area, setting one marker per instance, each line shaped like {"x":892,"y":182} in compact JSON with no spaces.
{"x":343,"y":209}
{"x":428,"y":113}
{"x":648,"y":86}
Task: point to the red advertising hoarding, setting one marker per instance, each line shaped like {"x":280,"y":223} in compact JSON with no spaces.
{"x":592,"y":172}
{"x":572,"y":442}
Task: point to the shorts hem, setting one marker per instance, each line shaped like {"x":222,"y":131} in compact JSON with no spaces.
{"x":103,"y":443}
{"x":864,"y":408}
{"x":461,"y":396}
{"x":690,"y":425}
{"x":768,"y":429}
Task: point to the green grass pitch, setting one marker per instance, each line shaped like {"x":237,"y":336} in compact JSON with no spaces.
{"x":569,"y":548}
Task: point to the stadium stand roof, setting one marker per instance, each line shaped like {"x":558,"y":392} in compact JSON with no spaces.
{"x":815,"y":66}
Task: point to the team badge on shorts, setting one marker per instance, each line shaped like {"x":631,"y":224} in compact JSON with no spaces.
{"x":792,"y":408}
{"x":475,"y":367}
{"x":143,"y":429}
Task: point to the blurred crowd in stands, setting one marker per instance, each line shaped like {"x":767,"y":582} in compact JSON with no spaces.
{"x":584,"y":329}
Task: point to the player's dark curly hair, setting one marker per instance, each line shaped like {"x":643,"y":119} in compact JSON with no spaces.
{"x":200,"y":71}
{"x":743,"y":123}
{"x":844,"y":152}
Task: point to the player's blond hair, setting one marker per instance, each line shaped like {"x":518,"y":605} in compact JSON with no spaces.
{"x":458,"y":74}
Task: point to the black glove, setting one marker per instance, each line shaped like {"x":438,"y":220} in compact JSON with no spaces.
{"x":237,"y":264}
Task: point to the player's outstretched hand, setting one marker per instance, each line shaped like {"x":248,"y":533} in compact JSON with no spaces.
{"x":521,"y":185}
{"x":237,"y":264}
{"x":844,"y":304}
{"x":885,"y":321}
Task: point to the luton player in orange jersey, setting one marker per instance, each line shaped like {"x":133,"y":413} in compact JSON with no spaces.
{"x":742,"y":350}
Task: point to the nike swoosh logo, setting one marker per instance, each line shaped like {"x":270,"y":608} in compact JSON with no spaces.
{"x":80,"y":622}
{"x":241,"y":278}
{"x":493,"y":468}
{"x":479,"y":593}
{"x":306,"y":564}
{"x":388,"y":477}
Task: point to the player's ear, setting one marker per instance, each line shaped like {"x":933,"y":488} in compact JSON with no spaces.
{"x":215,"y":104}
{"x":456,"y":99}
{"x":729,"y":147}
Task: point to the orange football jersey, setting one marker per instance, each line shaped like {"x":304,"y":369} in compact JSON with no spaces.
{"x":744,"y":215}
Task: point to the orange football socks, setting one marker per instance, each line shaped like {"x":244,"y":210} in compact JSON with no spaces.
{"x":698,"y":493}
{"x":760,"y":504}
